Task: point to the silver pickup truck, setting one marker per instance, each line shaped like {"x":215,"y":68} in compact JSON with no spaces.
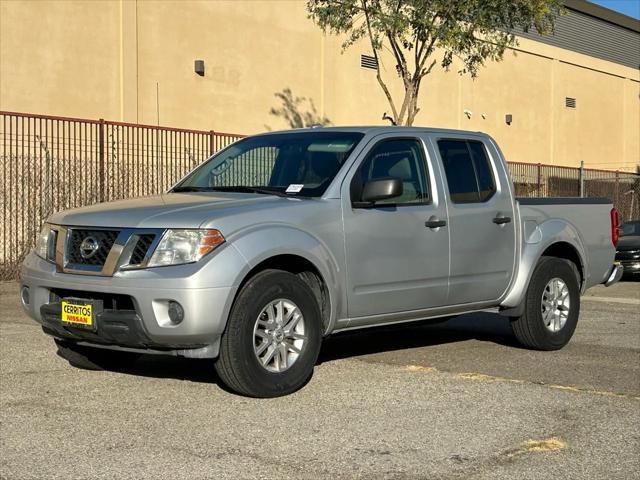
{"x":284,"y":238}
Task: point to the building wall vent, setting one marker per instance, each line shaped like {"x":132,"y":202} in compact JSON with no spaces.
{"x":367,"y":61}
{"x":570,"y":102}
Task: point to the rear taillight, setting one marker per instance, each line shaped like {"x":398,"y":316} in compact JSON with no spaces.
{"x":615,"y":225}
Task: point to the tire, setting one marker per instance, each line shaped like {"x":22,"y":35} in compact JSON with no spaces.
{"x":242,"y":348}
{"x":537,"y":330}
{"x":88,"y":358}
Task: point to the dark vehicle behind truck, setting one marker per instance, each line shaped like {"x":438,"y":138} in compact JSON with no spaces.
{"x":628,"y":249}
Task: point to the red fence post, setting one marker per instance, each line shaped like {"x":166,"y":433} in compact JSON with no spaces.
{"x":101,"y":160}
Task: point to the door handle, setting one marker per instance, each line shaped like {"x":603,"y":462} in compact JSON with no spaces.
{"x":500,"y":220}
{"x":435,"y":223}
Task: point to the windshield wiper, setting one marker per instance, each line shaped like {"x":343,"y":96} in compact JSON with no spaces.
{"x":244,"y":189}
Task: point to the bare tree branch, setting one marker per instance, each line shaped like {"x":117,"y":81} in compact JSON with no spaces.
{"x":375,"y":54}
{"x":387,"y":117}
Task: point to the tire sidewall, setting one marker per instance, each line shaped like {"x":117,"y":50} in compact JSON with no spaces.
{"x":547,"y":270}
{"x":257,"y":294}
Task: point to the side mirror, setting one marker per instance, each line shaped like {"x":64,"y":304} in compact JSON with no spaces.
{"x":381,"y":189}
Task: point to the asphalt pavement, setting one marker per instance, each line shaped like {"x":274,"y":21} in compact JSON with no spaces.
{"x":457,"y":400}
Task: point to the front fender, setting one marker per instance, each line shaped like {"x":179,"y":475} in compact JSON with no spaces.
{"x":261,"y":242}
{"x":536,"y":239}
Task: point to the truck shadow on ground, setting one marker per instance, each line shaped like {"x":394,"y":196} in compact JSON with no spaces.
{"x":483,"y":326}
{"x":486,"y":327}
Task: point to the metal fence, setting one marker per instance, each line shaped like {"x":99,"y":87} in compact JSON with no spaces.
{"x":50,"y":163}
{"x":537,"y":180}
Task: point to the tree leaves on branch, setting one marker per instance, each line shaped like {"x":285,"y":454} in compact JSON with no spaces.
{"x":420,"y":34}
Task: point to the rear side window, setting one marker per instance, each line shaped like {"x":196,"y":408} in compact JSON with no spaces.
{"x":468,"y":171}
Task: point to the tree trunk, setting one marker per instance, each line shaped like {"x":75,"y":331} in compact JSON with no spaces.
{"x":411,"y":102}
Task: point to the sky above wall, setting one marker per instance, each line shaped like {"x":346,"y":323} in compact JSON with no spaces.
{"x":626,"y":7}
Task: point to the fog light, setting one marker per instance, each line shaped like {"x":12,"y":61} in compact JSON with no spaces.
{"x":24,"y":294}
{"x":176,"y":312}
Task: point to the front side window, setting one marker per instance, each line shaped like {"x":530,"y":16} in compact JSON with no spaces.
{"x":468,"y":170}
{"x":301,"y":164}
{"x":399,"y":158}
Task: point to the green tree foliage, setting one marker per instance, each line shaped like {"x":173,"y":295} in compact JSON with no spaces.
{"x":414,"y":31}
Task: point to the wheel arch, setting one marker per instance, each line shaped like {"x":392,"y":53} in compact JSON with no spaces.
{"x":566,"y":251}
{"x":303,"y":269}
{"x":297,"y":252}
{"x":554,"y":238}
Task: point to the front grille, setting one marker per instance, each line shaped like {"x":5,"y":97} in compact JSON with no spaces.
{"x":141,"y":248}
{"x":79,"y":254}
{"x":111,"y":301}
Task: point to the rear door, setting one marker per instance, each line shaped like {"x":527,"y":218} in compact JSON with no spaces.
{"x":481,"y":219}
{"x":395,"y":261}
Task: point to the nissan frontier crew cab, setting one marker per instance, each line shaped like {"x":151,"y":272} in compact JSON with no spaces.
{"x":284,"y":238}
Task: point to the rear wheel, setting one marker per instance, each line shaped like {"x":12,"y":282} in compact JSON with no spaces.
{"x":89,"y":358}
{"x":273,"y":336}
{"x":552,"y":306}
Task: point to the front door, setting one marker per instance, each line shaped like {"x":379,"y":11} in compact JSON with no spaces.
{"x":398,"y":250}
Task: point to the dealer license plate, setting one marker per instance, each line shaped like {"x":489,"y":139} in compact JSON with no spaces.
{"x":77,"y":314}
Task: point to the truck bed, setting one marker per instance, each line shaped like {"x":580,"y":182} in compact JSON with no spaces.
{"x":589,"y":223}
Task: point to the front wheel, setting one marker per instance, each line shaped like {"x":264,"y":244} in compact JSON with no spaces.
{"x":273,"y":336}
{"x":552,"y":306}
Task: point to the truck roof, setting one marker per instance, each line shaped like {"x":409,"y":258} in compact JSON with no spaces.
{"x":377,"y":129}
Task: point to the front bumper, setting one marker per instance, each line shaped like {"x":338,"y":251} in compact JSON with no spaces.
{"x":143,"y":324}
{"x":123,"y":328}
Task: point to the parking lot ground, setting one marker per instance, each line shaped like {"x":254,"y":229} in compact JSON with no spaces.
{"x":456,"y":400}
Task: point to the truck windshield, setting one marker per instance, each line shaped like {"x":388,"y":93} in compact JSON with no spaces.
{"x":301,"y":164}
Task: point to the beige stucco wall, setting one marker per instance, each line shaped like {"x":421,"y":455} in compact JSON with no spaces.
{"x":60,"y":58}
{"x":133,"y":61}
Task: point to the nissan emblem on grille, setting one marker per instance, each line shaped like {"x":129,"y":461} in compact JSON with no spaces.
{"x":89,"y":247}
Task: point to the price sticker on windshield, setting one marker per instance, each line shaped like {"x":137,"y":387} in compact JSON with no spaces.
{"x":294,"y":188}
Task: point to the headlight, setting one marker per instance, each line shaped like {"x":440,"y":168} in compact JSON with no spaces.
{"x":45,"y":244}
{"x":184,"y":246}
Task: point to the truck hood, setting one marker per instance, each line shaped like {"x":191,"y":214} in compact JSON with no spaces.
{"x":171,"y":210}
